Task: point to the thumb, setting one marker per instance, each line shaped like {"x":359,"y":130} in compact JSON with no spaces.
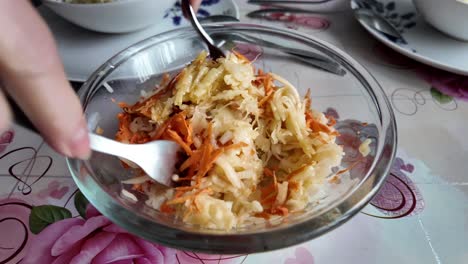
{"x":32,"y":74}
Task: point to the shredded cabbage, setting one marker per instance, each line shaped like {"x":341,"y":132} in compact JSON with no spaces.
{"x":264,"y":151}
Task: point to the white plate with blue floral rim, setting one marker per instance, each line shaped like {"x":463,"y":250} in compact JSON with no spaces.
{"x":423,"y":43}
{"x":83,"y":51}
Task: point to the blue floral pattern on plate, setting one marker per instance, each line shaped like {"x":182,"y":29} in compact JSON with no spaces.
{"x":389,"y":12}
{"x":175,"y":13}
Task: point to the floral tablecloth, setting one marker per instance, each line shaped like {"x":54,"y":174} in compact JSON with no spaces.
{"x":419,"y":216}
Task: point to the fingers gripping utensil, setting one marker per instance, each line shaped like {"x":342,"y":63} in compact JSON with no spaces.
{"x":156,"y":158}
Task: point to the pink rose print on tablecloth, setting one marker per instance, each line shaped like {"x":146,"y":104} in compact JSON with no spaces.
{"x":93,"y":240}
{"x":54,"y":190}
{"x":447,"y":83}
{"x":302,"y":256}
{"x":295,"y":21}
{"x":5,"y":139}
{"x":14,"y":215}
{"x":399,"y":196}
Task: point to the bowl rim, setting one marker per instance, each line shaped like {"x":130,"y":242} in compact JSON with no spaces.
{"x":238,"y":243}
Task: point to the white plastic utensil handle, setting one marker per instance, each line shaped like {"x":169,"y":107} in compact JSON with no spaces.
{"x":108,"y":146}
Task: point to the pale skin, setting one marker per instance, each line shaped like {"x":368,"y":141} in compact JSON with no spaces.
{"x":31,"y":71}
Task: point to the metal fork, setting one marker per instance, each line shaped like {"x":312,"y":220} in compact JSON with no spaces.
{"x":188,"y":11}
{"x":312,"y":58}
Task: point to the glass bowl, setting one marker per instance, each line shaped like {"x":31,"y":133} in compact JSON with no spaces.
{"x":355,"y":97}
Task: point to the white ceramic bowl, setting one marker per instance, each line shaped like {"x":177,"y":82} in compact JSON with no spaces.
{"x":448,"y":16}
{"x":119,"y":16}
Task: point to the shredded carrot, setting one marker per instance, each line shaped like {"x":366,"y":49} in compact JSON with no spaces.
{"x":254,"y":188}
{"x":240,"y":56}
{"x":268,"y":84}
{"x":191,"y":171}
{"x":234,"y":146}
{"x":293,"y":186}
{"x":308,"y":100}
{"x":179,"y":194}
{"x":189,"y":135}
{"x":265,"y":100}
{"x":272,"y":174}
{"x":197,"y":206}
{"x":264,"y":215}
{"x":349,"y":168}
{"x":281,"y":210}
{"x":319,"y":127}
{"x":205,"y":163}
{"x":267,"y":191}
{"x":122,"y":104}
{"x":191,"y":161}
{"x":316,"y":126}
{"x":161,"y":129}
{"x":185,"y":179}
{"x":140,"y":138}
{"x":268,"y":201}
{"x":165,"y":208}
{"x":301,"y":169}
{"x":335,"y":179}
{"x":186,"y":188}
{"x":180,"y":200}
{"x":137,"y":187}
{"x":175,"y":137}
{"x":209,"y":134}
{"x":179,"y":124}
{"x":124,"y":133}
{"x":268,"y":172}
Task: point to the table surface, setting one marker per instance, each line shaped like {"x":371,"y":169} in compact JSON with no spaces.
{"x":432,"y":227}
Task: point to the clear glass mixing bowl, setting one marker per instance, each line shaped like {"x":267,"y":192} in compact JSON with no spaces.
{"x":356,"y":96}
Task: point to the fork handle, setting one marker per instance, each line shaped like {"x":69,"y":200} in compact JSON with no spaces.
{"x":108,"y":146}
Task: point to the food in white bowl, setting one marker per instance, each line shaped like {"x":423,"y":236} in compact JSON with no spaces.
{"x":118,"y":16}
{"x":449,"y":16}
{"x":253,"y":148}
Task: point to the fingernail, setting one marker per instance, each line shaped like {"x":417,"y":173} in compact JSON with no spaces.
{"x":79,"y":145}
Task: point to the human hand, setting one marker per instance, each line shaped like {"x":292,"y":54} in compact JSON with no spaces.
{"x":32,"y":74}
